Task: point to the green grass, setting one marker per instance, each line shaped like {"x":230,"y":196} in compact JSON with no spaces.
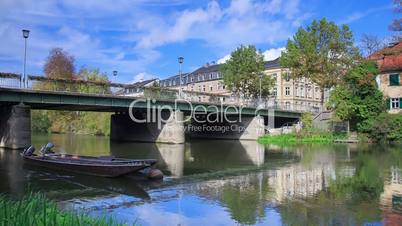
{"x":292,"y":139}
{"x":36,"y":209}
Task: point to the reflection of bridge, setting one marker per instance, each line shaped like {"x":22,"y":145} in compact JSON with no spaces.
{"x":57,"y":94}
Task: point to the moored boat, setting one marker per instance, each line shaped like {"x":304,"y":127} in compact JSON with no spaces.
{"x":104,"y":166}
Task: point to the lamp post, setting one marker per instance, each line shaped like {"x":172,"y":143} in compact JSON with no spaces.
{"x":260,"y":89}
{"x":114,"y":73}
{"x":25,"y":34}
{"x":181,"y":59}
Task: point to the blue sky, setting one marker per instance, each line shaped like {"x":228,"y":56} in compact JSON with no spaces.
{"x":143,"y":38}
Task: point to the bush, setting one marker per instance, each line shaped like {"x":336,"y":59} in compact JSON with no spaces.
{"x":40,"y":121}
{"x":387,"y":128}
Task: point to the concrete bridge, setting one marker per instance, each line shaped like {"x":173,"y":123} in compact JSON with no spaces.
{"x":165,"y":120}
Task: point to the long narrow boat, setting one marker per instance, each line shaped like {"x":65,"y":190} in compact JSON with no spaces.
{"x":106,"y":166}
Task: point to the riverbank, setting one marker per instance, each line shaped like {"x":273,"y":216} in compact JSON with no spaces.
{"x":36,"y":209}
{"x":293,"y":138}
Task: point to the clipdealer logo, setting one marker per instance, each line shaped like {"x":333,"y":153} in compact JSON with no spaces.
{"x":199,"y":117}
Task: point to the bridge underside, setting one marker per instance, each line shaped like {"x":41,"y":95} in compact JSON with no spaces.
{"x":15,"y":106}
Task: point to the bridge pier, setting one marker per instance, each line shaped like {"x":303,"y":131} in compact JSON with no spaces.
{"x":15,"y":126}
{"x":230,"y":128}
{"x":168,"y":128}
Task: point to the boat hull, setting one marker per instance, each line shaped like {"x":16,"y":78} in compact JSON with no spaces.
{"x":101,"y":168}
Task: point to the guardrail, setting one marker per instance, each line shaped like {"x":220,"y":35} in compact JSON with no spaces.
{"x":80,"y":86}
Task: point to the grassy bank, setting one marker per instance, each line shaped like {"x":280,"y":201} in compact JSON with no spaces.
{"x":291,"y":139}
{"x":36,"y":209}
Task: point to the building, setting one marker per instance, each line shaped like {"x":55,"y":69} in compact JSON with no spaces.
{"x":389,"y":61}
{"x":287,"y":93}
{"x":137,"y":89}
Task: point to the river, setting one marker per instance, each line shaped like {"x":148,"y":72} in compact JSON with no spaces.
{"x":215,"y":182}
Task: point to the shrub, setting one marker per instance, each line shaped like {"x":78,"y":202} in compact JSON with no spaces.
{"x":387,"y":128}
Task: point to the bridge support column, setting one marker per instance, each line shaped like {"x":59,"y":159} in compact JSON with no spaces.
{"x":15,"y":126}
{"x":248,"y":128}
{"x":167,"y":129}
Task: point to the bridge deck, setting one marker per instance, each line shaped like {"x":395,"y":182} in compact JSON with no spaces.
{"x":52,"y":100}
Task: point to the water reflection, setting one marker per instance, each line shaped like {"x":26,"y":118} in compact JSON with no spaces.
{"x":228,"y":183}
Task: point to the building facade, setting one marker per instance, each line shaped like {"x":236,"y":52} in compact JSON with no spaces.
{"x":287,"y":93}
{"x":389,"y":62}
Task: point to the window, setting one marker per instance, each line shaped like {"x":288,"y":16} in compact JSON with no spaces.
{"x":394,"y":79}
{"x":203,"y":88}
{"x":302,"y":94}
{"x":192,"y":78}
{"x":287,"y":76}
{"x":210,"y":88}
{"x":210,"y":76}
{"x":287,"y":90}
{"x":297,"y":91}
{"x":275,"y":91}
{"x":317,"y":93}
{"x":287,"y":105}
{"x":223,"y":87}
{"x":394,"y":103}
{"x":309,"y":93}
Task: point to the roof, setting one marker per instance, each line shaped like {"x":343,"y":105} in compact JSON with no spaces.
{"x":389,"y":58}
{"x":215,"y":67}
{"x":176,"y":76}
{"x":272,"y":64}
{"x":208,"y":68}
{"x":141,"y":83}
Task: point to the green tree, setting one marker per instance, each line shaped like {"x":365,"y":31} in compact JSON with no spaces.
{"x":357,"y":98}
{"x":243,"y":71}
{"x":95,"y":76}
{"x":322,"y":52}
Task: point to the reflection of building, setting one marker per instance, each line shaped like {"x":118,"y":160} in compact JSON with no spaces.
{"x":298,"y":181}
{"x":287,"y":92}
{"x":392,"y":195}
{"x":284,"y":182}
{"x":391,"y":198}
{"x":389,"y":61}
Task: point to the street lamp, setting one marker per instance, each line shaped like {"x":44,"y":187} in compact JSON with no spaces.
{"x":181,"y":59}
{"x":260,"y":89}
{"x":25,"y":34}
{"x":115,"y":73}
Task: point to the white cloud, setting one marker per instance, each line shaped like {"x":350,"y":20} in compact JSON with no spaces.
{"x":242,"y":22}
{"x":272,"y":54}
{"x":135,"y":29}
{"x":223,"y":59}
{"x":143,"y":76}
{"x":361,"y":14}
{"x":269,"y":54}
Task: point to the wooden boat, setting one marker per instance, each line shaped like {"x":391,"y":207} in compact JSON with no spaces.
{"x":104,"y":166}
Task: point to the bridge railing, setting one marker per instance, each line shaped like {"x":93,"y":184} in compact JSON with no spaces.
{"x":106,"y":88}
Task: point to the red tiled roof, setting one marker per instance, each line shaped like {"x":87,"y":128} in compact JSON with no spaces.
{"x":389,"y":58}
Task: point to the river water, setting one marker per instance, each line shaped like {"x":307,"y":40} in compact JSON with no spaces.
{"x":215,"y":182}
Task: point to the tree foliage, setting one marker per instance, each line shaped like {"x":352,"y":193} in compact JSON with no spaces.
{"x":396,"y":24}
{"x":370,"y":44}
{"x":387,"y":127}
{"x":243,"y":71}
{"x":59,"y":64}
{"x":357,"y":98}
{"x":321,"y":52}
